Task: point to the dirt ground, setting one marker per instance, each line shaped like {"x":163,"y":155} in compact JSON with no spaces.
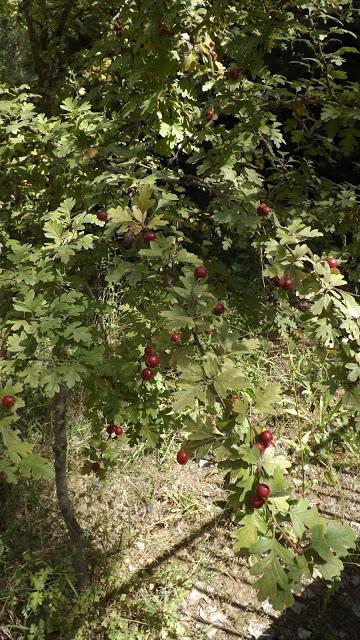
{"x":168,"y":524}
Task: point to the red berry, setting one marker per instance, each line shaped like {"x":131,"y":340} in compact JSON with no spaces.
{"x":214,"y":55}
{"x":119,"y":431}
{"x":149,"y":236}
{"x":147,"y":374}
{"x":332,"y":262}
{"x":8,"y":402}
{"x":110,"y":429}
{"x":175,"y":337}
{"x":262,"y":491}
{"x":102,"y":215}
{"x":164,"y":30}
{"x":212,"y":44}
{"x":210,"y":113}
{"x":95,"y":467}
{"x":153,"y":361}
{"x":266,"y":437}
{"x":263,"y":209}
{"x":234,"y":73}
{"x":219,"y":309}
{"x":209,"y":331}
{"x":148,"y":350}
{"x":256,"y":502}
{"x":261,"y":447}
{"x":201,"y":272}
{"x":277,"y":281}
{"x":118,"y":29}
{"x":288,"y":283}
{"x":182,"y":456}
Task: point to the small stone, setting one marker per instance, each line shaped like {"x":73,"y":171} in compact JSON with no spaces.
{"x":297,"y":607}
{"x":258,"y":631}
{"x":266,"y":606}
{"x":304,"y":634}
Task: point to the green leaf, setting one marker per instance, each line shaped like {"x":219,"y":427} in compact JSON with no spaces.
{"x":267,"y":397}
{"x":246,"y":535}
{"x":36,"y":466}
{"x":270,"y":462}
{"x":303,"y":515}
{"x":340,"y":538}
{"x":230,"y":378}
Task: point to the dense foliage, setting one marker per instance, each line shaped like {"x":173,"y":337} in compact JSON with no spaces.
{"x":180,"y":119}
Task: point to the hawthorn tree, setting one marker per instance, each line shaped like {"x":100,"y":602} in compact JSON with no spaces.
{"x":190,"y":167}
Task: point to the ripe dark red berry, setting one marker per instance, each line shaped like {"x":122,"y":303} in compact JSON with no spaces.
{"x":118,"y":29}
{"x":153,"y":361}
{"x":149,"y":236}
{"x":219,"y":309}
{"x":264,"y":209}
{"x":266,"y":437}
{"x":256,"y":502}
{"x":234,"y":73}
{"x":147,"y":374}
{"x":260,"y":446}
{"x":214,"y":55}
{"x":209,"y":331}
{"x":164,"y":30}
{"x":110,"y":429}
{"x":182,"y":456}
{"x":201,"y":272}
{"x":288,"y":283}
{"x":102,"y":215}
{"x":212,"y":44}
{"x":210,"y":113}
{"x":148,"y":350}
{"x":304,"y":305}
{"x":332,"y":262}
{"x":276,"y":281}
{"x":175,"y":337}
{"x":8,"y":402}
{"x":119,"y":431}
{"x":262,"y":491}
{"x":95,"y":467}
{"x":128,"y":240}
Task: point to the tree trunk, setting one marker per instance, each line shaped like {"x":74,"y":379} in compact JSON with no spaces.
{"x":62,"y":490}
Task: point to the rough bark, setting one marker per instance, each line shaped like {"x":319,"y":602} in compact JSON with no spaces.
{"x":62,"y":490}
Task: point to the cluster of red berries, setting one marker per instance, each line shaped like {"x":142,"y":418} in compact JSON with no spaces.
{"x":258,"y":498}
{"x":201,"y":273}
{"x":8,"y":402}
{"x":265,"y":440}
{"x":114,"y":430}
{"x":284,"y":283}
{"x":152,"y":361}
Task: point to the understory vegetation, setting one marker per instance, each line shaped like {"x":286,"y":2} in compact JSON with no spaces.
{"x":179,"y":331}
